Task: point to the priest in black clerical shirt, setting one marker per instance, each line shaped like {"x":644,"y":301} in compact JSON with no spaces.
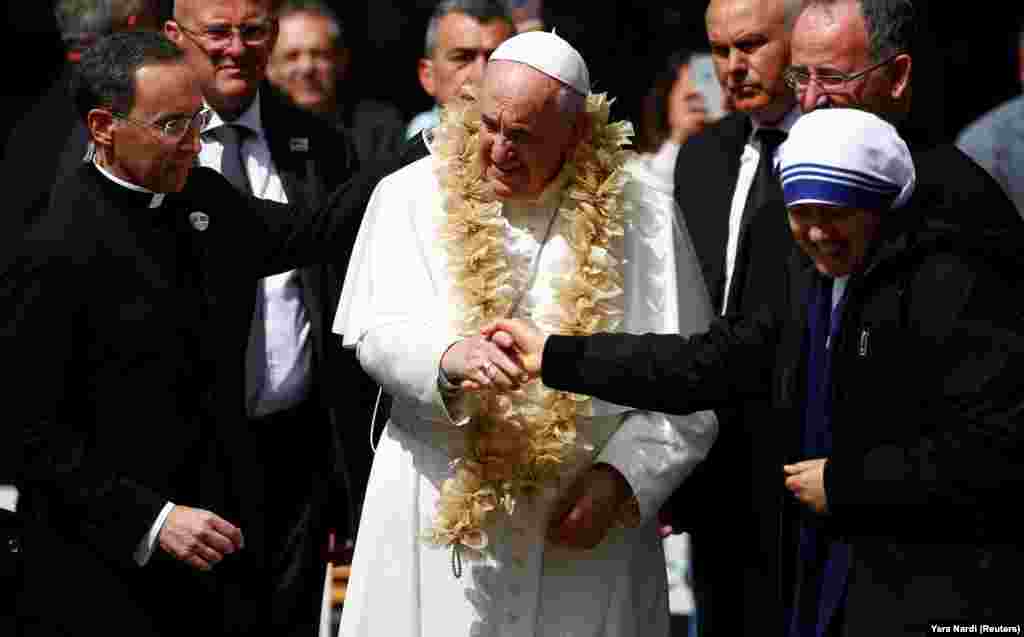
{"x":128,"y":309}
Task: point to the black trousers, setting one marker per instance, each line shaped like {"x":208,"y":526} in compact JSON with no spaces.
{"x":298,"y":458}
{"x":10,"y":571}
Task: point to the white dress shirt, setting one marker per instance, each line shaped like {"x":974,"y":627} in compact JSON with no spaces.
{"x":748,"y":170}
{"x":279,"y":361}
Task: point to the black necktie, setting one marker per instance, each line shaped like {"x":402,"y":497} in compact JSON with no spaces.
{"x":766,"y":181}
{"x":764,"y":189}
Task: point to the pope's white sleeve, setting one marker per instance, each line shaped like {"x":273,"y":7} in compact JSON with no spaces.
{"x":392,"y":309}
{"x":664,"y":293}
{"x":655,"y":452}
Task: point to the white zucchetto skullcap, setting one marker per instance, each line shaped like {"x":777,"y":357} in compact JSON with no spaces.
{"x":549,"y":54}
{"x":846,"y":157}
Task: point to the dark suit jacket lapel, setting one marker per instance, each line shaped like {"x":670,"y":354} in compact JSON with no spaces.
{"x":770,"y":196}
{"x":706,"y":173}
{"x":292,"y":151}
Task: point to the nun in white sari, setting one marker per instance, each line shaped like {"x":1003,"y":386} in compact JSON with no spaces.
{"x":447,"y":245}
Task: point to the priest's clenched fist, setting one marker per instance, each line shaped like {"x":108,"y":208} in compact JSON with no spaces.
{"x":199,"y":538}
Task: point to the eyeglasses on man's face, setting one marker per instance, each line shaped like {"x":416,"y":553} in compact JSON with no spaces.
{"x":175,"y":128}
{"x":799,"y":78}
{"x":221,"y":34}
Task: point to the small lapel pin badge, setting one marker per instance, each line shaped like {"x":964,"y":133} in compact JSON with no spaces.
{"x":199,"y":220}
{"x":299,"y":144}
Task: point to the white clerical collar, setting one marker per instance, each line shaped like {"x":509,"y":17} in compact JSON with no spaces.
{"x":251,"y":118}
{"x":155,"y":202}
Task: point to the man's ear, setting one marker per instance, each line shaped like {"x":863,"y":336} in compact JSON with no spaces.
{"x":173,"y":32}
{"x":425,"y":70}
{"x":901,"y":69}
{"x":100,"y":123}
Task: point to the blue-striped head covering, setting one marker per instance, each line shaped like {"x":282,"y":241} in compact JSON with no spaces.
{"x":845,"y":157}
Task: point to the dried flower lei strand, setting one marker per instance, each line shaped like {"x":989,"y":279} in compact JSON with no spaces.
{"x":518,"y":441}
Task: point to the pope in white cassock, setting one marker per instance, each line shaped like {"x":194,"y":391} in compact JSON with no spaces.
{"x":494,"y":508}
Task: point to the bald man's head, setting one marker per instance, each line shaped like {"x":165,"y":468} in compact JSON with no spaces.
{"x":228,"y":43}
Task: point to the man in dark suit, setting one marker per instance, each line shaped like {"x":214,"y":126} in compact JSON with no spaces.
{"x":129,"y":310}
{"x":312,"y":63}
{"x":733,"y":209}
{"x":301,"y":388}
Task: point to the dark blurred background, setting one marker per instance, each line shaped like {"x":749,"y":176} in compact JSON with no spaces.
{"x":965,"y":63}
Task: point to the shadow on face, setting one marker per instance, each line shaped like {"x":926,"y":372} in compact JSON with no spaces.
{"x":750,"y":48}
{"x":463,"y":48}
{"x":135,"y":147}
{"x":228,"y":43}
{"x":306,"y":63}
{"x":526,"y":136}
{"x":836,"y":238}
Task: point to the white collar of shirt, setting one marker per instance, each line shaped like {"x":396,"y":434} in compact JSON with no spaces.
{"x":259,"y":165}
{"x":155,"y":202}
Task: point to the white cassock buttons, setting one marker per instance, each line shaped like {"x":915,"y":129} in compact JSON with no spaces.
{"x":199,"y":220}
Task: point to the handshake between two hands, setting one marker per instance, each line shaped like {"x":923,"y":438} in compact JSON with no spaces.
{"x":506,"y":354}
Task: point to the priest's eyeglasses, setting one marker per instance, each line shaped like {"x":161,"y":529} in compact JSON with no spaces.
{"x":799,"y":77}
{"x":220,"y":35}
{"x":175,"y":128}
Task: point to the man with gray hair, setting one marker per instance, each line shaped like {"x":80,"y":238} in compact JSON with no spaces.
{"x":461,"y":36}
{"x":82,"y":22}
{"x":543,"y":217}
{"x":859,"y":53}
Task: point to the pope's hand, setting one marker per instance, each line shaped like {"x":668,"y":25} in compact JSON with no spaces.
{"x":806,"y":480}
{"x":477,"y":362}
{"x":199,"y":538}
{"x":519,"y":339}
{"x":590,"y":507}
